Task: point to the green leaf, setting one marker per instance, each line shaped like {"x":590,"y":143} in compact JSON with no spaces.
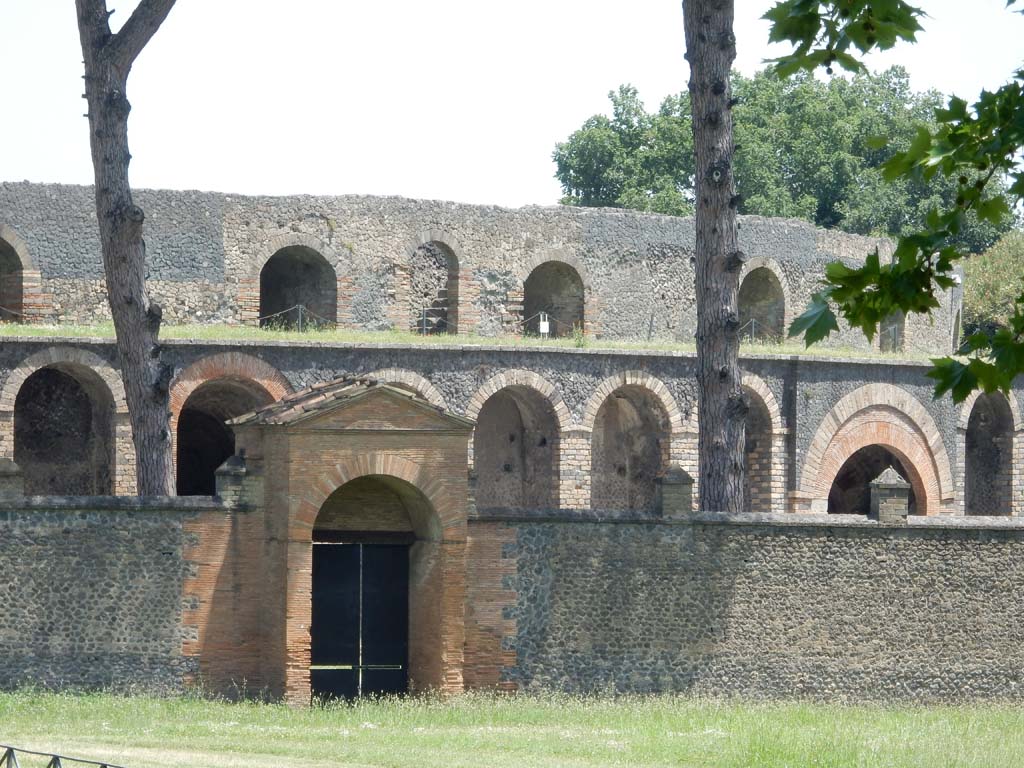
{"x":993,"y":210}
{"x":817,"y":321}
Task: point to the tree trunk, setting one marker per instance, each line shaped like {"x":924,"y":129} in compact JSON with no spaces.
{"x":710,"y":50}
{"x":108,"y":60}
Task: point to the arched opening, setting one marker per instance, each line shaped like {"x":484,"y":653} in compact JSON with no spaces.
{"x":63,"y":432}
{"x":629,"y":451}
{"x":434,"y":294}
{"x":11,"y":287}
{"x":204,"y":441}
{"x":555,"y":289}
{"x":891,"y":332}
{"x":758,"y":456}
{"x":515,"y":451}
{"x":294,"y":277}
{"x":851,"y":490}
{"x":376,"y":579}
{"x":988,"y":454}
{"x":762,"y":306}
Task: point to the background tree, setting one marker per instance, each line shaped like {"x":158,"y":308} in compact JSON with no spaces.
{"x":710,"y":50}
{"x":108,"y":59}
{"x":975,"y":145}
{"x":804,"y":149}
{"x":992,"y":282}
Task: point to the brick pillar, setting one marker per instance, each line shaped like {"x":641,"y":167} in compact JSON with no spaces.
{"x":12,"y":480}
{"x":574,"y":470}
{"x":249,"y":300}
{"x":890,"y":498}
{"x":397,"y":302}
{"x":512,"y":319}
{"x":469,"y":313}
{"x":35,"y":305}
{"x":676,"y":493}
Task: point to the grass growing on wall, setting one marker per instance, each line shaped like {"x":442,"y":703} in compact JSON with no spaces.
{"x":521,"y":732}
{"x":249,"y":333}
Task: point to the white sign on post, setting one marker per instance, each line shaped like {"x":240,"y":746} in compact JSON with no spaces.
{"x":545,"y":324}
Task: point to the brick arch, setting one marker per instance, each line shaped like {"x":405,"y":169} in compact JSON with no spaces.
{"x":637,"y":379}
{"x":413,"y":381}
{"x":521,"y":378}
{"x":886,"y":415}
{"x":66,"y":356}
{"x":759,"y":387}
{"x":223,"y":365}
{"x":436,"y":236}
{"x":13,"y":239}
{"x":556,"y":254}
{"x":445,"y":507}
{"x":124,"y":480}
{"x":968,"y":406}
{"x":767,"y":262}
{"x":290,"y":239}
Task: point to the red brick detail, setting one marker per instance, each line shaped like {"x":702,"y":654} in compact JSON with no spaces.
{"x":92,"y":366}
{"x":520,"y":378}
{"x":653,"y":385}
{"x":886,"y":415}
{"x":490,"y":606}
{"x":591,"y":306}
{"x":224,"y":365}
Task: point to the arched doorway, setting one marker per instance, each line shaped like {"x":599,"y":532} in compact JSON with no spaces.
{"x":515,"y":451}
{"x":988,"y":457}
{"x":298,"y":276}
{"x":762,"y":306}
{"x":11,"y":286}
{"x":757,"y":455}
{"x":555,"y":289}
{"x":375,"y":582}
{"x":851,"y":490}
{"x":434,"y":291}
{"x":204,"y":441}
{"x":63,"y":432}
{"x":629,"y":451}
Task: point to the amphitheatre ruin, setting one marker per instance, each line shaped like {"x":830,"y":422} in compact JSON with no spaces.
{"x":359,"y":517}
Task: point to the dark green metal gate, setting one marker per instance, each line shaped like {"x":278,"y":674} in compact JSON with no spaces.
{"x":360,"y":628}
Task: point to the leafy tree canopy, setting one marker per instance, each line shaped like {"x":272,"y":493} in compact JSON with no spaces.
{"x":805,"y":149}
{"x":978,"y":146}
{"x":992,"y":282}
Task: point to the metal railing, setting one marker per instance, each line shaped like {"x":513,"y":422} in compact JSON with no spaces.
{"x":749,"y":332}
{"x":306,"y":319}
{"x":9,"y":759}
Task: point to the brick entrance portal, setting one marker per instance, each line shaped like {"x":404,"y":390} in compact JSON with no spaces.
{"x":345,"y":461}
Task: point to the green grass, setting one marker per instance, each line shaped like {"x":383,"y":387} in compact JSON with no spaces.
{"x":222,"y":332}
{"x":521,"y":732}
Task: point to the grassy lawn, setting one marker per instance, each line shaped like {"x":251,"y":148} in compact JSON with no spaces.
{"x":523,"y":731}
{"x":214,"y":332}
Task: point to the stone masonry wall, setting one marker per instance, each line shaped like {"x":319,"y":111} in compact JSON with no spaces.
{"x":825,"y":610}
{"x":206,"y":251}
{"x":91,"y":594}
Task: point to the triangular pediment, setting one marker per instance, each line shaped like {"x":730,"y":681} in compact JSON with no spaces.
{"x":356,"y":405}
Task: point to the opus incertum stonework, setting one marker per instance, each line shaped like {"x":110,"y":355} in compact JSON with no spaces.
{"x":355,"y":518}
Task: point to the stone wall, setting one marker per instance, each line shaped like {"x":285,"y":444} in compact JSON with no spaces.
{"x":797,"y":607}
{"x":813,"y":413}
{"x":92,"y":593}
{"x":206,"y":252}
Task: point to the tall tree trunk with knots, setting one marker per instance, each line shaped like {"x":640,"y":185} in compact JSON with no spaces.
{"x":108,"y":59}
{"x":710,"y":50}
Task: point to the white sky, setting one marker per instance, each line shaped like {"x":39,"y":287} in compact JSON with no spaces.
{"x":449,"y":99}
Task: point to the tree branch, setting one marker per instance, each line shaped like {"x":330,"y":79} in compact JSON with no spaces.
{"x":127,"y":44}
